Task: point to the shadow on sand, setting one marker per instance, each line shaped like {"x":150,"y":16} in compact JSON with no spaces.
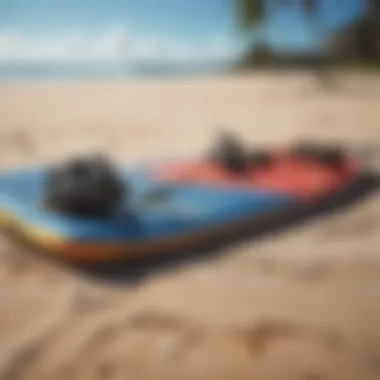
{"x":131,"y":272}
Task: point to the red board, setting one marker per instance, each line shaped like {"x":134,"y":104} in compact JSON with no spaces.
{"x":299,"y":177}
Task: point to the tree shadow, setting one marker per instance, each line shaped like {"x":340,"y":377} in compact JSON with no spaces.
{"x":130,"y":272}
{"x":335,"y":82}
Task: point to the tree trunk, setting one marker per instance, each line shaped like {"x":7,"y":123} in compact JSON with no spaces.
{"x":373,"y":14}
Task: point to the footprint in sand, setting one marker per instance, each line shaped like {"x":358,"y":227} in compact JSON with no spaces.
{"x":263,"y":333}
{"x":106,"y":371}
{"x":155,"y":321}
{"x":266,"y":265}
{"x":311,"y":273}
{"x":313,"y":376}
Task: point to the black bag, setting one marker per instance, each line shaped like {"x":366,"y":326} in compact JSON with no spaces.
{"x":85,"y":186}
{"x":331,"y":156}
{"x":231,"y":154}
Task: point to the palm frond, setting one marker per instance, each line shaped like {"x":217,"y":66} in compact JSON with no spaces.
{"x":250,"y":12}
{"x":310,"y":7}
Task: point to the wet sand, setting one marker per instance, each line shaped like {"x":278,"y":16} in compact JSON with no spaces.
{"x":300,"y":305}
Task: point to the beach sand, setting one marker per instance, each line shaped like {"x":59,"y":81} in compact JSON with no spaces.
{"x":300,"y":305}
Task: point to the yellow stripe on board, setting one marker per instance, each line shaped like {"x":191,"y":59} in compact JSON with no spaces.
{"x":98,"y":252}
{"x":40,"y":235}
{"x":92,"y":251}
{"x":32,"y":233}
{"x":62,"y":246}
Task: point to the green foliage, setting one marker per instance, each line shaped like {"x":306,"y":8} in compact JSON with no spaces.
{"x":250,"y":12}
{"x":373,"y":5}
{"x":310,"y":7}
{"x":364,"y":35}
{"x":357,"y":41}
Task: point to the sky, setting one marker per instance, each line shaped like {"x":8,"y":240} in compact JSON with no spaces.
{"x":114,"y":32}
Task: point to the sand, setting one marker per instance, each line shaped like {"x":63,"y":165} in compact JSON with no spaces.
{"x":302,"y":305}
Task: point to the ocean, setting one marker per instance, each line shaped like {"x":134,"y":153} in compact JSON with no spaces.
{"x":45,"y":73}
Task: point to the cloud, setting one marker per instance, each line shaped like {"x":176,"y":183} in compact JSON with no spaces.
{"x":70,"y":47}
{"x":113,"y":46}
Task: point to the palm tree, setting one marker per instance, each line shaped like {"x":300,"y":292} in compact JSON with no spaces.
{"x":310,"y":9}
{"x":373,"y":16}
{"x":373,"y":7}
{"x":252,"y":13}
